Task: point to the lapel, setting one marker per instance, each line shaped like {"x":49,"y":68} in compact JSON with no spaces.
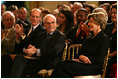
{"x":36,"y":31}
{"x":11,"y":32}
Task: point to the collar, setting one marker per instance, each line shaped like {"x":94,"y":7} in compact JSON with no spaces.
{"x":50,"y":33}
{"x":34,"y":27}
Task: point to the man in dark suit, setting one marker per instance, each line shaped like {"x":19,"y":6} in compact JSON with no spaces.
{"x":22,"y":18}
{"x":29,"y":36}
{"x":48,"y":47}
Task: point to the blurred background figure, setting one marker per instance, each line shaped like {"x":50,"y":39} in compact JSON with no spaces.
{"x":111,"y":31}
{"x":89,"y":8}
{"x":56,"y":13}
{"x":79,"y":33}
{"x":106,"y":7}
{"x":76,"y":7}
{"x":14,"y":10}
{"x":66,"y":21}
{"x":3,"y":9}
{"x":22,"y":18}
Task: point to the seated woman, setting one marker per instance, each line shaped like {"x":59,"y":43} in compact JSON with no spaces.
{"x":91,"y":54}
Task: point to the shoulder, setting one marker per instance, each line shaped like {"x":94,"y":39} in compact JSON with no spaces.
{"x":59,"y":33}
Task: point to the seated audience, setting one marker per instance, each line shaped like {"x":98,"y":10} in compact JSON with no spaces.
{"x":48,"y":47}
{"x":79,"y":33}
{"x":92,"y":53}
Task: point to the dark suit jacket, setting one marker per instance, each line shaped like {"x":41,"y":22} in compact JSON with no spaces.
{"x":8,"y":44}
{"x":26,"y":24}
{"x":29,"y":39}
{"x":51,"y":53}
{"x":51,"y":49}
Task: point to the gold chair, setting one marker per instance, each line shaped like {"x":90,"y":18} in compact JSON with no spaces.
{"x":67,"y":51}
{"x":103,"y":70}
{"x":77,"y":46}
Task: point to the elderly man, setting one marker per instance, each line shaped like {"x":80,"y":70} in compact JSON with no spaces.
{"x":8,"y":39}
{"x":48,"y":48}
{"x":8,"y":36}
{"x":29,"y":36}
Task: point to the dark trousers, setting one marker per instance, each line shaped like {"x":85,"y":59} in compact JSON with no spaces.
{"x":6,"y":64}
{"x":68,"y":69}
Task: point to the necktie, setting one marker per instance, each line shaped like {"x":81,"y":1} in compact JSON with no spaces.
{"x":5,"y":33}
{"x":78,"y":31}
{"x":48,"y":36}
{"x":31,"y":30}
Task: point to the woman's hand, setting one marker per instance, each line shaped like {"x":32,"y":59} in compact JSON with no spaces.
{"x":84,"y":28}
{"x":84,"y":59}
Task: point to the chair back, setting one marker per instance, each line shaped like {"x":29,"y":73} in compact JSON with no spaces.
{"x":69,"y":51}
{"x":105,"y":64}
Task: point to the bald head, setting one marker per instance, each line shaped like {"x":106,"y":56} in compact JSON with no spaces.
{"x":22,"y":13}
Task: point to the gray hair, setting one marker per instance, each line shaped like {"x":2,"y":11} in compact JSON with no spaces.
{"x":48,"y":16}
{"x":8,"y":12}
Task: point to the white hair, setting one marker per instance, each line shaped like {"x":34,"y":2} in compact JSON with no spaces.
{"x":48,"y":16}
{"x":8,"y":12}
{"x":77,"y":3}
{"x":34,"y":10}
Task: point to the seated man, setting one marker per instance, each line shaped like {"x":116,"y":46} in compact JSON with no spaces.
{"x":48,"y":47}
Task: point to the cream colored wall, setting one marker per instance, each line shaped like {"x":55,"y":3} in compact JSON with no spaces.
{"x":52,"y":4}
{"x":46,"y":4}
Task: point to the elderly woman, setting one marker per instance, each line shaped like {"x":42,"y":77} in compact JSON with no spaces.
{"x":91,"y":54}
